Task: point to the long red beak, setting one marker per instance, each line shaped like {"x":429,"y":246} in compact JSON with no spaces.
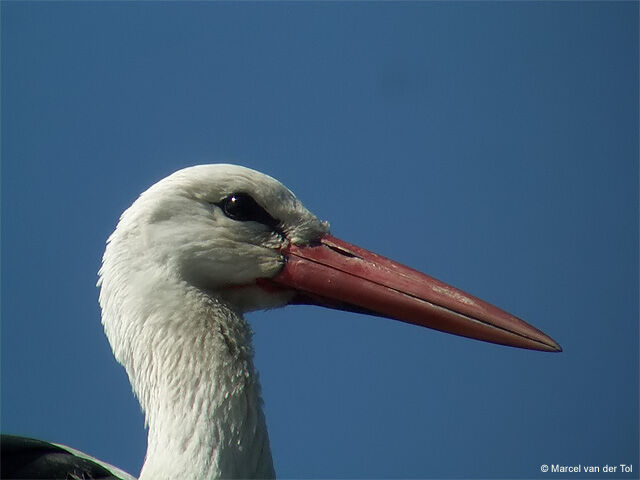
{"x":339,"y":275}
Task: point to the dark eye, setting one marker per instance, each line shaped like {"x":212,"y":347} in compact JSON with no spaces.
{"x":243,"y":208}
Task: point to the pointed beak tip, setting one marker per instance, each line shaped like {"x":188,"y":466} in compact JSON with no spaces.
{"x":544,"y":343}
{"x":556,"y":348}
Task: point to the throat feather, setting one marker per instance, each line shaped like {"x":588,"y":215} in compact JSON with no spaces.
{"x":204,"y":408}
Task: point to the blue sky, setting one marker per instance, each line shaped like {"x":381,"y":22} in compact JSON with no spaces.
{"x":492,"y":145}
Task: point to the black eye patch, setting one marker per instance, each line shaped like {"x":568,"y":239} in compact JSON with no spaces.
{"x":243,"y":208}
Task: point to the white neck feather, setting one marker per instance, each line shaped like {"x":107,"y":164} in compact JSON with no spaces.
{"x":190,"y":362}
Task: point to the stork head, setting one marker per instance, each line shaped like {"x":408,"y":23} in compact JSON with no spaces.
{"x":218,"y":228}
{"x":243,"y":238}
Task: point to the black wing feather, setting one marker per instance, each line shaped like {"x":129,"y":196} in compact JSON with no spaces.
{"x":28,"y":458}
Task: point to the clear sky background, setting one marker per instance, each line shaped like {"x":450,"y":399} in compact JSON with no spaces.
{"x":492,"y":145}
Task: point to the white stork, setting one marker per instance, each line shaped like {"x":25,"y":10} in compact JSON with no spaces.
{"x":187,"y":260}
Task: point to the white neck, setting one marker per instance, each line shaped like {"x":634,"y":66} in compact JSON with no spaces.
{"x":190,"y":363}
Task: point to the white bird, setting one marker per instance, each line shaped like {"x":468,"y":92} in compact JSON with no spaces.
{"x":198,"y":250}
